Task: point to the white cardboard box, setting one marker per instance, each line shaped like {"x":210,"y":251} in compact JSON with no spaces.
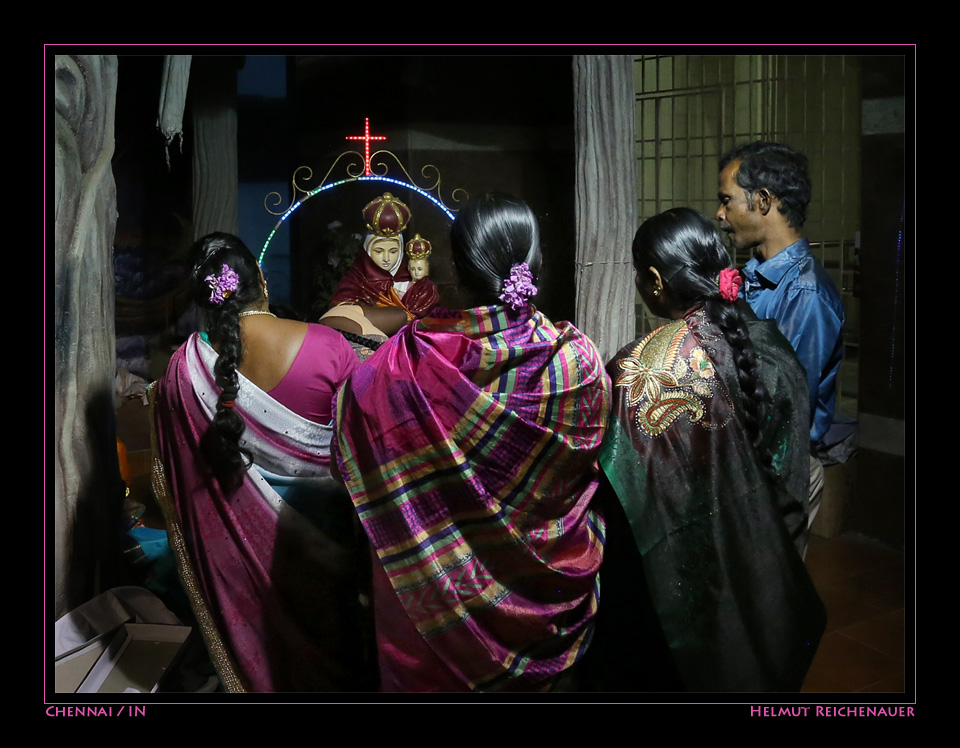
{"x":133,"y":660}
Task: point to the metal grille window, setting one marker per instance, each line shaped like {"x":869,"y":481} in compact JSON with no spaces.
{"x":691,"y":109}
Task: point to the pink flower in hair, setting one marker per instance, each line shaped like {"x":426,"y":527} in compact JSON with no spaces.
{"x":518,"y":289}
{"x":223,"y":285}
{"x":730,"y":282}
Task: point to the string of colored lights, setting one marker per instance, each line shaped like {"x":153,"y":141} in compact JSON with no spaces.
{"x":374,"y":178}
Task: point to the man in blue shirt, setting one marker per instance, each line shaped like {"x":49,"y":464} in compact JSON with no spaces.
{"x":764,"y":190}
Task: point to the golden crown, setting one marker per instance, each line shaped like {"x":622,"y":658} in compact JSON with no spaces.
{"x":418,"y":248}
{"x":386,"y":216}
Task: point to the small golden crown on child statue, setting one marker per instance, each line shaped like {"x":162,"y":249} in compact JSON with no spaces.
{"x":386,"y":216}
{"x":418,"y":248}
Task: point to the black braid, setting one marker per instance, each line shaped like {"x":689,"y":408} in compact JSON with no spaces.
{"x":730,"y":319}
{"x":686,"y":249}
{"x":221,"y":442}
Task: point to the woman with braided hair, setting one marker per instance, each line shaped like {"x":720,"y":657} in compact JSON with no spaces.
{"x":707,"y":454}
{"x":263,"y":534}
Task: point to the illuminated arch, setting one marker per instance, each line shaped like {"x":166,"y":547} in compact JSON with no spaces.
{"x":324,"y":187}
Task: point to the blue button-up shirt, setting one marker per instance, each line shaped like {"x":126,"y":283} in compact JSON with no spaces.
{"x":793,"y":288}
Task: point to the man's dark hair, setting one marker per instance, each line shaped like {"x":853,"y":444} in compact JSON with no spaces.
{"x":778,"y":168}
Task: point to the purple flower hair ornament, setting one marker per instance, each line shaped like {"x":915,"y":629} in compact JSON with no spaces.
{"x":730,"y":282}
{"x":518,"y":289}
{"x":223,"y":285}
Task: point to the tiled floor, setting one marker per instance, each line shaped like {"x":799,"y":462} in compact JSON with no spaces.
{"x":861,"y":583}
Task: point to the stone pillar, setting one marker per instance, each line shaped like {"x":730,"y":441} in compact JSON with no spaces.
{"x":87,"y":487}
{"x":606,"y":198}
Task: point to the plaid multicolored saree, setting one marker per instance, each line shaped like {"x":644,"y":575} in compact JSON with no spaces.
{"x":468,"y":443}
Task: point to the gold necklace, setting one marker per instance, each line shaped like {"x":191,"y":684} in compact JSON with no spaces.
{"x":252,"y":312}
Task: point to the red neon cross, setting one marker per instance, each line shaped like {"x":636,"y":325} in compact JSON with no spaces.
{"x":366,"y":138}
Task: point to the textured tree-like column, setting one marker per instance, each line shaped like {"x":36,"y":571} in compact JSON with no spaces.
{"x":85,"y":474}
{"x":213,"y":84}
{"x":606,"y":198}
